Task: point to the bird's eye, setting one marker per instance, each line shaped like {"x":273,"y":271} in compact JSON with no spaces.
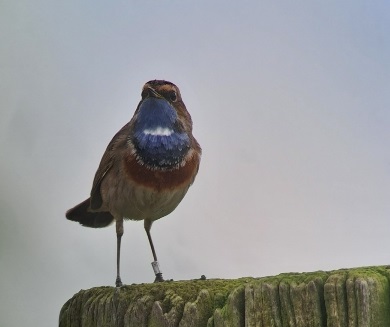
{"x":172,"y":96}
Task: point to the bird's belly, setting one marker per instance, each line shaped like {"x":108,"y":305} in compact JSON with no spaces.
{"x":136,"y":192}
{"x":124,"y":197}
{"x":144,"y":203}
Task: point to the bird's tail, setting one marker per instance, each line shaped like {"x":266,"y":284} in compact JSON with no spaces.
{"x":81,"y":214}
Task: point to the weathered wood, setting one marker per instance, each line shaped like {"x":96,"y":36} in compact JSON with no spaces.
{"x":358,"y":297}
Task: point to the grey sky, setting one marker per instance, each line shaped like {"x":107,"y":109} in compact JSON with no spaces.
{"x":290,"y":102}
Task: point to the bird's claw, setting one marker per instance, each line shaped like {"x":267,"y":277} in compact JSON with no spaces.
{"x":159,"y":278}
{"x":118,"y":282}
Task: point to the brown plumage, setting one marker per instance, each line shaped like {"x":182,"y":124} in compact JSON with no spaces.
{"x":147,"y":167}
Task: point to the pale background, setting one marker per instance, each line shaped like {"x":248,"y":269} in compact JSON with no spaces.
{"x":290,"y":102}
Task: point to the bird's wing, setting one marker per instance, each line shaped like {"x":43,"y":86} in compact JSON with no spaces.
{"x":108,"y":160}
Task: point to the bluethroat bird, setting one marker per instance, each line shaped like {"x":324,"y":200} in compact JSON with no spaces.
{"x":146,"y":169}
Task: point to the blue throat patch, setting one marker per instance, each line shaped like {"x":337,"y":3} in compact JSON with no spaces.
{"x":157,"y":138}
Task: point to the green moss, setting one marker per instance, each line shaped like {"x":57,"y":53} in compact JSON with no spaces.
{"x":354,"y":297}
{"x":232,"y":314}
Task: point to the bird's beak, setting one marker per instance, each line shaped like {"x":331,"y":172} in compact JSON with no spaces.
{"x":153,"y":93}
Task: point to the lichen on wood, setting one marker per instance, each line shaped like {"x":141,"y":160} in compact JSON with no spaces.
{"x":358,"y":297}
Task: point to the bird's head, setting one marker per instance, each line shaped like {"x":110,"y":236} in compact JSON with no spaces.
{"x":162,"y":125}
{"x":160,"y":100}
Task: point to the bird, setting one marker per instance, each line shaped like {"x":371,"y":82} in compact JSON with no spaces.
{"x":146,"y":169}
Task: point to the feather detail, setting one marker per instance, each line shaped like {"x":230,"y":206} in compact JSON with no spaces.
{"x":82,"y":214}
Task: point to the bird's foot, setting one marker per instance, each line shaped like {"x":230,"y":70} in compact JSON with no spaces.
{"x":118,"y":282}
{"x":159,"y":278}
{"x":157,"y":272}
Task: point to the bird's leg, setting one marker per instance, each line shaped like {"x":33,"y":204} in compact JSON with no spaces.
{"x":155,"y":265}
{"x":119,"y":233}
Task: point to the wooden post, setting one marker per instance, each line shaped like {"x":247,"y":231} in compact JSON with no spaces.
{"x":358,"y":297}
